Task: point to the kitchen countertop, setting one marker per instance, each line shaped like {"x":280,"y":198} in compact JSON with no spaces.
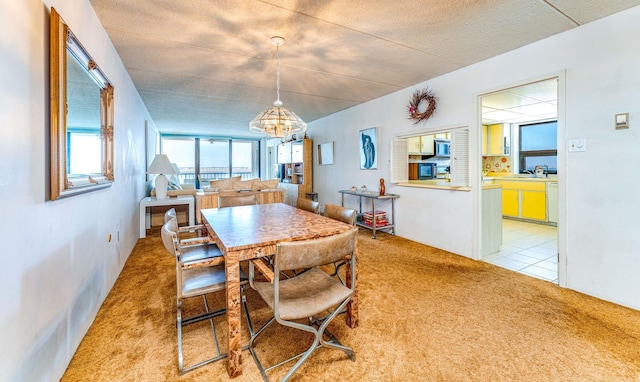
{"x":444,"y":184}
{"x":435,"y":183}
{"x":519,"y":179}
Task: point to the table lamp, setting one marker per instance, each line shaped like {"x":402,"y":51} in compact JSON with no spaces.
{"x":161,"y":165}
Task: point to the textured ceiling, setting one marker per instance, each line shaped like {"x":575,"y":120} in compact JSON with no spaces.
{"x":208,"y":66}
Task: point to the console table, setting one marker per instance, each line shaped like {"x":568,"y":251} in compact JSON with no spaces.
{"x":148,"y":202}
{"x":374,"y":196}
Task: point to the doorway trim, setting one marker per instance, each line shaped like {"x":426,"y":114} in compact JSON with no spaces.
{"x":560,"y":76}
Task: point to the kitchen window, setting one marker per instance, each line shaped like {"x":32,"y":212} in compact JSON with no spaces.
{"x":539,"y":147}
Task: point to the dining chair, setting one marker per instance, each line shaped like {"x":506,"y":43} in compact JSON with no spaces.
{"x":307,"y":295}
{"x":196,"y":254}
{"x":345,"y":215}
{"x":308,"y":205}
{"x":198,"y":281}
{"x":237,"y":200}
{"x":202,"y":235}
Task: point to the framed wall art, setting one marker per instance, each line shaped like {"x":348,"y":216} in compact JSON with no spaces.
{"x":325,"y":153}
{"x":369,"y":149}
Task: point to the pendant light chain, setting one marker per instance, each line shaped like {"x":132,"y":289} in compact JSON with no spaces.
{"x":278,"y":72}
{"x":278,"y":122}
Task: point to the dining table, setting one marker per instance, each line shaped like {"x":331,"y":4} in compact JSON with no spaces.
{"x":247,"y":233}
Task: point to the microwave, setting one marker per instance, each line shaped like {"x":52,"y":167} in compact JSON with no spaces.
{"x":427,"y":171}
{"x":442,"y":148}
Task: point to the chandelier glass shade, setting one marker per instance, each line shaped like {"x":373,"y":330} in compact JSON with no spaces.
{"x":278,"y":122}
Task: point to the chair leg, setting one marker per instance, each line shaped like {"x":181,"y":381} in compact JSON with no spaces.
{"x":306,"y":354}
{"x":263,"y":371}
{"x":246,"y":310}
{"x":179,"y":327}
{"x":334,"y":343}
{"x":180,"y":323}
{"x":303,"y":356}
{"x":318,"y":341}
{"x":213,"y":327}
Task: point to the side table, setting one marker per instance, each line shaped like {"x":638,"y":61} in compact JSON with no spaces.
{"x":148,"y":202}
{"x":391,"y":226}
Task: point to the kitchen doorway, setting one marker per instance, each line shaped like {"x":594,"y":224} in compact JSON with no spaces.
{"x":509,"y":152}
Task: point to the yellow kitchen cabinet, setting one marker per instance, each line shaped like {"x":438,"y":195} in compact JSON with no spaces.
{"x":420,"y":145}
{"x":427,"y":144}
{"x":495,"y":139}
{"x":510,"y":202}
{"x":534,"y":205}
{"x":485,"y":143}
{"x":414,"y":146}
{"x":523,"y":199}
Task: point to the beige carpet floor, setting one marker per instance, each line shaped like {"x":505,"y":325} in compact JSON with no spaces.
{"x":425,"y":315}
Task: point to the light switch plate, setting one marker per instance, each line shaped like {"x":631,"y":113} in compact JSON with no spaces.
{"x":579,"y":144}
{"x":622,"y":121}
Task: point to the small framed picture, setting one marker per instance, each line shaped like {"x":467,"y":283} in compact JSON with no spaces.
{"x":368,"y":149}
{"x":325,"y":153}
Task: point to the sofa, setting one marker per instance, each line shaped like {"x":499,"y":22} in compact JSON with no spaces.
{"x":266,"y":192}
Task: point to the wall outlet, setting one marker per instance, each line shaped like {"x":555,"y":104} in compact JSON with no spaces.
{"x":579,"y":144}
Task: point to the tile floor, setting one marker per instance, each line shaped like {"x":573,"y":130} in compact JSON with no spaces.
{"x":528,"y":248}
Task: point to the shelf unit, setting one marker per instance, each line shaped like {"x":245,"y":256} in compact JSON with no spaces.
{"x":296,"y":168}
{"x":391,"y":227}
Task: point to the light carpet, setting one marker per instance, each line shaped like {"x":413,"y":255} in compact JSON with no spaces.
{"x":425,"y":315}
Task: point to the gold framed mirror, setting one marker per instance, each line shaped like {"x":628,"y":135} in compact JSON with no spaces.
{"x":81,"y":117}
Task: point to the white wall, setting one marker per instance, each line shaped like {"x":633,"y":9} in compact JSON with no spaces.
{"x":598,"y":231}
{"x":57,"y":263}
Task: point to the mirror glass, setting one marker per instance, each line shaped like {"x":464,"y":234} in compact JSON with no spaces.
{"x":81,"y":117}
{"x":83,"y":121}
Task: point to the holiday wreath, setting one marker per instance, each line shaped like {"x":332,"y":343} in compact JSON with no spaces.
{"x":416,"y":103}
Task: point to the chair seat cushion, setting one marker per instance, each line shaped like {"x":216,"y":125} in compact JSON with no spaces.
{"x":203,"y":280}
{"x":305,"y":295}
{"x":198,"y":253}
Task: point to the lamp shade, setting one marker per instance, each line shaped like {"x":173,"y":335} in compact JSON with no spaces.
{"x":278,"y":122}
{"x":175,"y":168}
{"x":161,"y":165}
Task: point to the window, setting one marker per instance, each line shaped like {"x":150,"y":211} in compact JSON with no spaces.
{"x":214,"y":159}
{"x":182,"y":152}
{"x":539,"y":147}
{"x":201,"y":159}
{"x":245,"y":159}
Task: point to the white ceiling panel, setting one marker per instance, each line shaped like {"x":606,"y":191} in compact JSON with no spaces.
{"x":204,"y":66}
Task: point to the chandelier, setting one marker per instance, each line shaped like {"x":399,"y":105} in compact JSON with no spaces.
{"x":278,"y":122}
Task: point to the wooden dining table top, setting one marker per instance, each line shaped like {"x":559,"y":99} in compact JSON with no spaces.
{"x":245,"y":227}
